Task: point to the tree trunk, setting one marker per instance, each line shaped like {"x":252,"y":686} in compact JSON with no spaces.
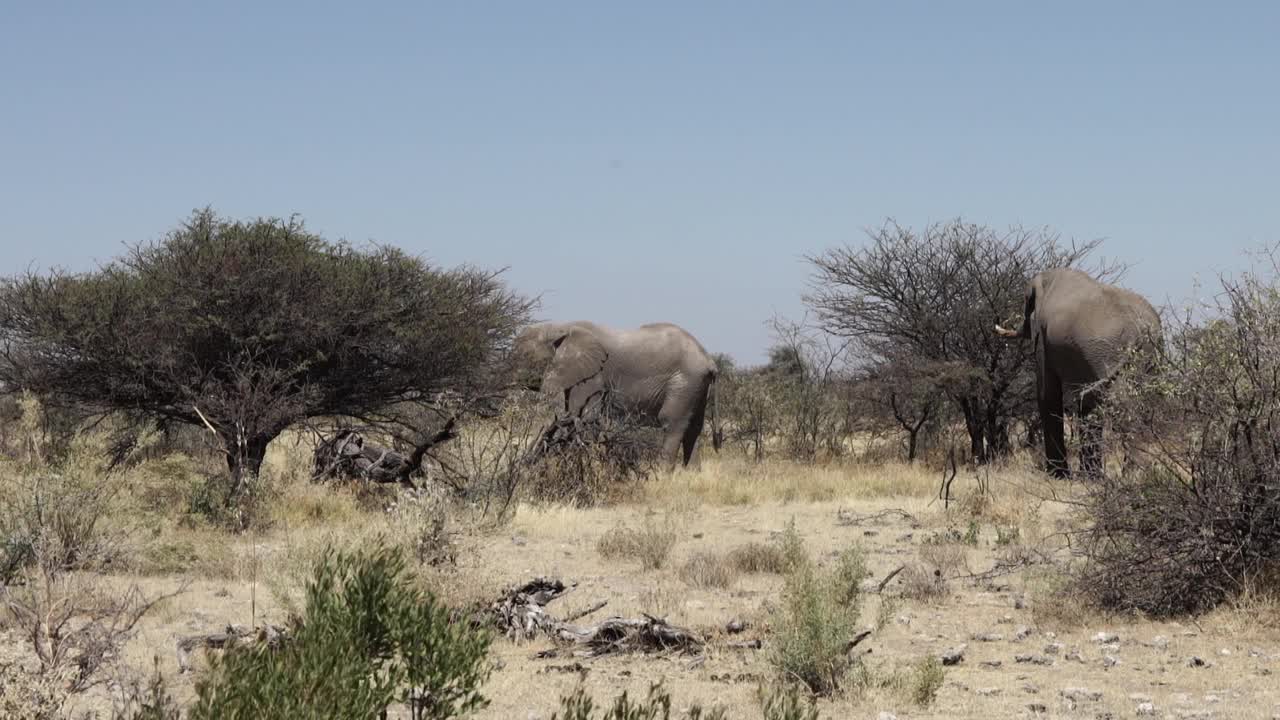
{"x":244,"y":463}
{"x":973,"y":424}
{"x":912,"y":434}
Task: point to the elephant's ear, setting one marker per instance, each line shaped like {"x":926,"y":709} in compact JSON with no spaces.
{"x":579,"y":356}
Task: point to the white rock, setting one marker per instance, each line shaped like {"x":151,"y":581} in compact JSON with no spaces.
{"x":1079,"y":693}
{"x":1106,"y":637}
{"x":1146,"y":709}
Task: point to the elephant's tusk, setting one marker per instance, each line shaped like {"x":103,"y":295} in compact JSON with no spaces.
{"x":1005,"y":332}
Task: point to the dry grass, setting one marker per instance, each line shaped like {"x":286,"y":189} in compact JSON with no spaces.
{"x":713,"y":544}
{"x":759,"y":558}
{"x":651,"y":545}
{"x":708,"y":570}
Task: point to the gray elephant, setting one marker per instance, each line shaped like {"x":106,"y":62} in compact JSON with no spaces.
{"x":1083,"y":330}
{"x":658,"y":371}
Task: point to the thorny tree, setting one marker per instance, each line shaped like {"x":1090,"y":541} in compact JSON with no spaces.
{"x":935,"y":295}
{"x":246,"y":327}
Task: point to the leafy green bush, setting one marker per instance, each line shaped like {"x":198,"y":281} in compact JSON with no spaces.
{"x":657,"y":706}
{"x":367,"y":638}
{"x":926,"y":681}
{"x":817,"y":619}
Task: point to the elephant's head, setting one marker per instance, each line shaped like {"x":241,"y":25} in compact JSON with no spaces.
{"x":1035,"y":287}
{"x":552,"y":357}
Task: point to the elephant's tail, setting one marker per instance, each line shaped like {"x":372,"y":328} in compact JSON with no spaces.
{"x":717,"y":434}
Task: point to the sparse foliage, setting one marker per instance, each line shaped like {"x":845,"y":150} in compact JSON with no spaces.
{"x":935,"y":296}
{"x":578,"y":705}
{"x":1195,"y":516}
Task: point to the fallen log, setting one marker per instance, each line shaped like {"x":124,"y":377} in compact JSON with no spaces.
{"x":520,"y":613}
{"x":621,"y":635}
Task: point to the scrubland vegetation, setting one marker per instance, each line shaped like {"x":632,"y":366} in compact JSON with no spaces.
{"x":875,"y":536}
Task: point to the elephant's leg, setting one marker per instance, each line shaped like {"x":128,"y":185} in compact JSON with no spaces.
{"x":693,"y":431}
{"x":1055,"y":444}
{"x":1091,"y":460}
{"x":675,"y":417}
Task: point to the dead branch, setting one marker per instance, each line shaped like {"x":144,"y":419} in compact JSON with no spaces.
{"x":883,"y":583}
{"x":583,"y":613}
{"x":232,"y":635}
{"x":521,"y":614}
{"x":845,"y":517}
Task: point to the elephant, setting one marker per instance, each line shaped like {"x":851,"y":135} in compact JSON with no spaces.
{"x":657,"y":370}
{"x":1083,"y":330}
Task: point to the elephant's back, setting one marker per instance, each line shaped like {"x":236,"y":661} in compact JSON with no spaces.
{"x":1091,"y":329}
{"x":679,"y":342}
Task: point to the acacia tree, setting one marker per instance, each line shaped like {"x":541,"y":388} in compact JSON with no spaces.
{"x":246,"y":327}
{"x":936,"y":295}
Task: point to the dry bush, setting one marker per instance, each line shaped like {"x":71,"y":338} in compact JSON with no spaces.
{"x":923,"y":582}
{"x":651,"y":545}
{"x":489,"y":464}
{"x":58,"y":518}
{"x":659,"y":600}
{"x":950,"y":559}
{"x":32,"y":696}
{"x":73,"y":626}
{"x":759,"y":558}
{"x":1196,"y":515}
{"x":708,"y":570}
{"x":926,"y":579}
{"x":603,"y":457}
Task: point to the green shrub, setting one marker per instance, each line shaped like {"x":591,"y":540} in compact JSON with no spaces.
{"x":784,"y":703}
{"x":817,"y":620}
{"x":367,"y":638}
{"x":657,"y":706}
{"x":926,"y":681}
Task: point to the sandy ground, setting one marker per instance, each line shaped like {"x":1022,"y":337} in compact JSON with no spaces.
{"x":1064,"y":670}
{"x":988,"y":683}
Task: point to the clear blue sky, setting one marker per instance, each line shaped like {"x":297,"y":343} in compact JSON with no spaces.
{"x":646,"y":161}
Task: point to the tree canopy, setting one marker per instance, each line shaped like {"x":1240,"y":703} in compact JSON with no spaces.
{"x":250,"y":326}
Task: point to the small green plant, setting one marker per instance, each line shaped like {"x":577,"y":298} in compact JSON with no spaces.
{"x":1007,"y":535}
{"x":651,"y":545}
{"x":885,"y":612}
{"x":367,"y":638}
{"x":783,"y":702}
{"x":971,"y":534}
{"x":578,"y":705}
{"x":816,"y":620}
{"x":926,"y":680}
